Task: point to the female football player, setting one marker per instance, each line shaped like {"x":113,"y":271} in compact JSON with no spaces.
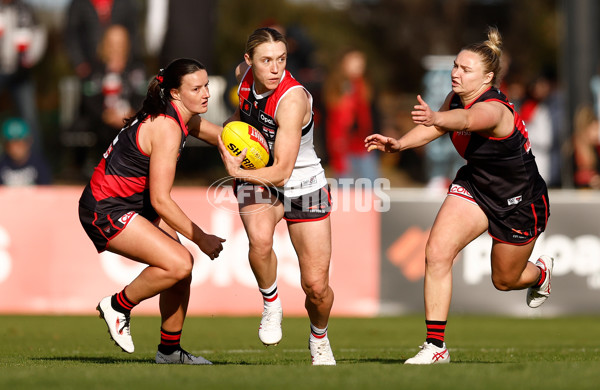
{"x":127,"y":207}
{"x":293,"y":181}
{"x":499,"y":190}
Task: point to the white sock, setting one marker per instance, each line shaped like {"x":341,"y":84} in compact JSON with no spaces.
{"x":270,"y":296}
{"x":317,"y":333}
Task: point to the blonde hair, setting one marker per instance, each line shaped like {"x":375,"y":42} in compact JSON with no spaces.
{"x":490,"y":52}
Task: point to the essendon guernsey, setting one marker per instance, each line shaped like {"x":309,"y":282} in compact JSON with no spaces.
{"x":120,"y":181}
{"x":501,"y":172}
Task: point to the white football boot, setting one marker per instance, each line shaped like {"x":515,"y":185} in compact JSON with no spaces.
{"x":538,"y":295}
{"x":430,"y":354}
{"x":320,"y":352}
{"x":269,"y":331}
{"x":180,"y":356}
{"x":118,"y":325}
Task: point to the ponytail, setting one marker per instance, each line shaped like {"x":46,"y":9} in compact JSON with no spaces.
{"x":158,"y":96}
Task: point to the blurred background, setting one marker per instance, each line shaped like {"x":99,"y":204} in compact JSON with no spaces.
{"x":72,"y":69}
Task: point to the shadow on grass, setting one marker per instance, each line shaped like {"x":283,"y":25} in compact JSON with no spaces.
{"x":92,"y":359}
{"x":112,"y":360}
{"x":371,"y":360}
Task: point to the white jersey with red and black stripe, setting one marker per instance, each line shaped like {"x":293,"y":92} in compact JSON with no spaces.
{"x":501,"y":172}
{"x":260,"y":110}
{"x":120,"y":181}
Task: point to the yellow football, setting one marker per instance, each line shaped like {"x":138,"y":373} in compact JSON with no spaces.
{"x":238,"y":136}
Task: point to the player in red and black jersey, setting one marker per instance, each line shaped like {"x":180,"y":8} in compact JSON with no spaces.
{"x":127,"y":207}
{"x":498,"y":190}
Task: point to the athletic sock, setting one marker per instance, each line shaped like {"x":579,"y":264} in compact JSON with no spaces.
{"x":169,"y":342}
{"x":317,"y":333}
{"x":121,"y":303}
{"x":435,"y":332}
{"x":541,"y":279}
{"x":270,"y":296}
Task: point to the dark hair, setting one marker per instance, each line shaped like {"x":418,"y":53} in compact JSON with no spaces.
{"x":159,"y":89}
{"x":490,"y":52}
{"x":262,"y":35}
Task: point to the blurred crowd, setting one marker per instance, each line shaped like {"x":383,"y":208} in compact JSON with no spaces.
{"x":112,"y":53}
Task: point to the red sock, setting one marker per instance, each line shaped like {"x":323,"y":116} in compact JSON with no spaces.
{"x":121,"y":303}
{"x":169,"y":341}
{"x":435,"y":332}
{"x":542,"y":278}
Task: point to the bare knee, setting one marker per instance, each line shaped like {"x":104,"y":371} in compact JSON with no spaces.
{"x":503,"y":283}
{"x":180,"y":267}
{"x":316,"y":289}
{"x":438,"y":258}
{"x":261,"y":245}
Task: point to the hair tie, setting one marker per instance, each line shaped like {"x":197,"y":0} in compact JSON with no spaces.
{"x":160,"y":77}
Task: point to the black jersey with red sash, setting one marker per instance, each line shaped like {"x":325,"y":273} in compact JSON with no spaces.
{"x":120,"y":181}
{"x":259,"y":110}
{"x":501,"y":172}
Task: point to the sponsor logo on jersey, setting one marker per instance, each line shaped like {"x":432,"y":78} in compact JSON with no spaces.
{"x":459,"y":190}
{"x":265,"y":119}
{"x":126,"y":217}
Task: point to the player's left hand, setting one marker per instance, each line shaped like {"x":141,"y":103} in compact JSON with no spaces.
{"x":423,"y":114}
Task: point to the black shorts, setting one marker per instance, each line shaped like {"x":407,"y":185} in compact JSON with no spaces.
{"x":313,"y":206}
{"x":101,"y":228}
{"x":521,"y":226}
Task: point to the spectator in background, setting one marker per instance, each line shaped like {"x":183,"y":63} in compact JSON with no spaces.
{"x":536,"y":114}
{"x":21,"y":165}
{"x":349,"y":120}
{"x":86,"y":23}
{"x":181,"y":29}
{"x":586,"y":144}
{"x":441,"y":161}
{"x":22,"y":45}
{"x":113,"y":91}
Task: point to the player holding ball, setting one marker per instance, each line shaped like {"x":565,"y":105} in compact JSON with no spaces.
{"x":293,"y":181}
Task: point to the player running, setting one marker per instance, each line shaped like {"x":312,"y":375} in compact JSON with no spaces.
{"x":273,"y":102}
{"x":499,"y":190}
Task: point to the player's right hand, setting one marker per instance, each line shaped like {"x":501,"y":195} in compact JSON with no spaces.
{"x":381,"y":142}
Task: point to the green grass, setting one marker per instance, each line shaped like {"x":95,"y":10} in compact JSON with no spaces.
{"x":487,"y":353}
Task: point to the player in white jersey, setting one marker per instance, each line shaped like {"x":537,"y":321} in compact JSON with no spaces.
{"x":293,"y":182}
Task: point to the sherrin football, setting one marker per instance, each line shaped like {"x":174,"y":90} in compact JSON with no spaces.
{"x":238,"y":136}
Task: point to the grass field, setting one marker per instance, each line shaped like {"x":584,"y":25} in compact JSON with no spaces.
{"x":64,"y":352}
